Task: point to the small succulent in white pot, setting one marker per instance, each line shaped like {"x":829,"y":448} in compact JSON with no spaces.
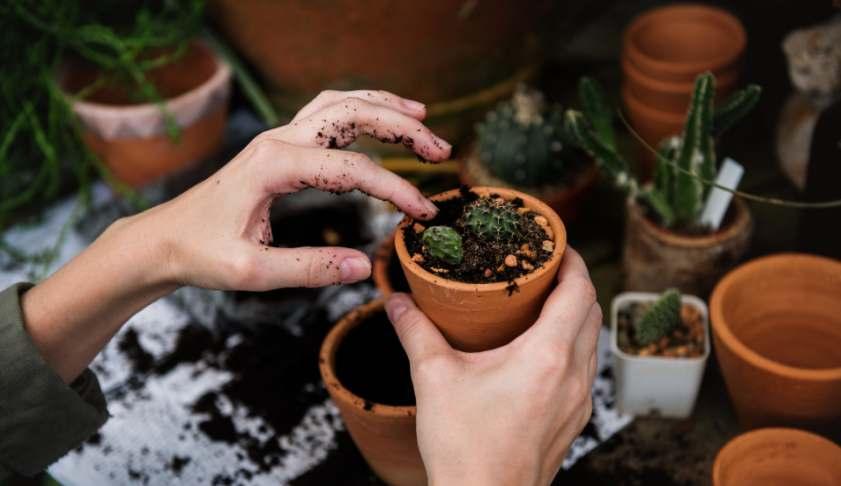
{"x":660,"y":345}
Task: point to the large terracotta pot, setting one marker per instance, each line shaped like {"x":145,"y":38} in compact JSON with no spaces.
{"x":476,"y":317}
{"x":677,"y":43}
{"x":564,"y":199}
{"x":778,"y":456}
{"x":131,"y":138}
{"x":303,"y":47}
{"x":777,"y":329}
{"x":384,"y":434}
{"x":655,"y":259}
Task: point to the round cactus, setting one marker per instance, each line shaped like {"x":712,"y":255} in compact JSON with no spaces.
{"x":521,"y":141}
{"x":443,"y":243}
{"x":492,"y":218}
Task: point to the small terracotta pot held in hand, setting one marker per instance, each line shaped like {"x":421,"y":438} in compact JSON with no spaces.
{"x":677,"y":43}
{"x":778,"y":456}
{"x":655,"y":259}
{"x":477,"y":317}
{"x":384,"y":434}
{"x":776,"y":326}
{"x":132,"y":139}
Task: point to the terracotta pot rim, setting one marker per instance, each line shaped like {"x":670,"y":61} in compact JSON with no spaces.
{"x":693,"y":300}
{"x":379,"y":272}
{"x":722,"y":80}
{"x":772,"y":433}
{"x":529,"y":201}
{"x":221,"y":76}
{"x":720,"y":16}
{"x":649,"y":112}
{"x":740,"y":222}
{"x":722,"y":331}
{"x":584,"y":178}
{"x":327,"y":363}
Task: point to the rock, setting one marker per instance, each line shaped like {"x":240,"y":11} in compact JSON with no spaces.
{"x":510,"y":261}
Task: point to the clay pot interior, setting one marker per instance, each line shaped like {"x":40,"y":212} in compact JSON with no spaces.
{"x":786,"y":310}
{"x":195,"y":67}
{"x":387,"y":274}
{"x":371,"y":363}
{"x":778,"y":456}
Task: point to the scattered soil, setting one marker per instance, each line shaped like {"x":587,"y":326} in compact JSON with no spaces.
{"x":371,"y":363}
{"x":484,"y":260}
{"x":685,"y":341}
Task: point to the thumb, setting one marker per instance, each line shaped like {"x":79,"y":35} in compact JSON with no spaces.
{"x":312,"y":267}
{"x":418,"y":335}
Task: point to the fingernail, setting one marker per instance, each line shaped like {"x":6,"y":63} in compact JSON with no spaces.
{"x":443,"y":144}
{"x":354,"y":269}
{"x":414,"y":105}
{"x":430,"y":209}
{"x":395,"y":307}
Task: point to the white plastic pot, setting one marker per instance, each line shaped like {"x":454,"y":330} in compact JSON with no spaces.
{"x":656,"y":384}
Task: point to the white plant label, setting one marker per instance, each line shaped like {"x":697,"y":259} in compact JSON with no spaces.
{"x":718,"y":199}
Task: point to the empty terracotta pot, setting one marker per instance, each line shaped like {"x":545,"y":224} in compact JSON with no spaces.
{"x":777,"y":456}
{"x":777,"y":330}
{"x":384,"y":434}
{"x":655,"y":259}
{"x":477,"y":317}
{"x":677,"y":43}
{"x":564,"y":199}
{"x":131,"y":138}
{"x":386,"y":272}
{"x":672,"y":97}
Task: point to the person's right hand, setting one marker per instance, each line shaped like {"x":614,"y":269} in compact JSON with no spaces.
{"x":505,"y":416}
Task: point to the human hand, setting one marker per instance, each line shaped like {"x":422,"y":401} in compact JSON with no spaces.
{"x":508,"y":415}
{"x":217,"y":233}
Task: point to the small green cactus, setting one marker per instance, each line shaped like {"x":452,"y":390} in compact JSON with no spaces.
{"x":684,"y":162}
{"x":521,"y":140}
{"x":660,"y":319}
{"x":443,"y":243}
{"x":492,"y":219}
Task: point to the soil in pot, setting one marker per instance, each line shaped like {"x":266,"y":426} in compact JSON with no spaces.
{"x":485,"y":260}
{"x":371,"y":363}
{"x":685,"y":341}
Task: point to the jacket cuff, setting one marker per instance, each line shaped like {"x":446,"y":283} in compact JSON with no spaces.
{"x":41,"y":417}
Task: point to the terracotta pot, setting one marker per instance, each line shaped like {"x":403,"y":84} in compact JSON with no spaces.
{"x":564,"y":199}
{"x":476,"y":317}
{"x":131,"y":138}
{"x":655,"y":259}
{"x":672,"y":97}
{"x":386,"y":272}
{"x":777,"y":329}
{"x":774,"y":456}
{"x":384,"y":434}
{"x":303,"y":47}
{"x":677,"y":43}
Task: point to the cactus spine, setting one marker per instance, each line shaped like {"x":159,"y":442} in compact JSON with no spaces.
{"x":683,"y":163}
{"x":660,"y":319}
{"x":492,"y":219}
{"x":521,"y":140}
{"x":443,"y":243}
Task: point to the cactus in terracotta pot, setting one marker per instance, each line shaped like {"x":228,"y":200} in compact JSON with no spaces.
{"x":494,"y":219}
{"x":684,"y":162}
{"x":660,"y":319}
{"x":443,"y":243}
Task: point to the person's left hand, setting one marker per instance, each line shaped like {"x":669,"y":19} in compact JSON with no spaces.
{"x":217,"y":233}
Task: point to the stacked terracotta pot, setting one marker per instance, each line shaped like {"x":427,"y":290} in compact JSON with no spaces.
{"x":663,"y":51}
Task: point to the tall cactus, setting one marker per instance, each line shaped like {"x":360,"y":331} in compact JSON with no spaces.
{"x":684,"y":162}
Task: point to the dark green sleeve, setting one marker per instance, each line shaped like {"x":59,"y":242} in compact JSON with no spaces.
{"x":41,"y":418}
